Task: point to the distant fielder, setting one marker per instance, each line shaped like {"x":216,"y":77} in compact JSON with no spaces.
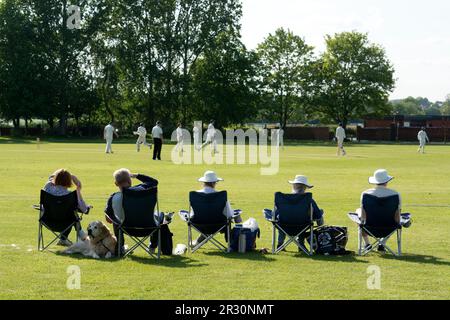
{"x":196,"y":133}
{"x":142,"y":137}
{"x":280,"y":138}
{"x":340,"y":137}
{"x":108,"y":135}
{"x":211,"y":138}
{"x":423,"y":139}
{"x":180,"y":142}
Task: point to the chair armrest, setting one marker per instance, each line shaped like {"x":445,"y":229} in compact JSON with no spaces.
{"x":236,"y":213}
{"x":405,"y":220}
{"x":113,"y":221}
{"x":167,"y":218}
{"x":268,"y":215}
{"x":184,"y":215}
{"x":355,"y":218}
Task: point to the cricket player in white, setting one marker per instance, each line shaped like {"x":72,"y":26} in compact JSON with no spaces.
{"x":108,"y":135}
{"x":340,"y":137}
{"x":280,"y":138}
{"x":211,"y":138}
{"x":423,"y":139}
{"x":142,"y":137}
{"x":180,"y":142}
{"x":196,"y":132}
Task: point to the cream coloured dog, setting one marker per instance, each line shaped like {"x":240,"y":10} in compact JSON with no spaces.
{"x":100,"y":243}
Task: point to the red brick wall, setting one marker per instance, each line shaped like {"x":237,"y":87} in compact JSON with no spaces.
{"x":307,"y":133}
{"x":435,"y":134}
{"x":373,"y":134}
{"x":404,"y":134}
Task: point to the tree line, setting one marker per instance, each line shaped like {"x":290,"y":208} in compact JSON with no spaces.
{"x":421,"y":107}
{"x":131,"y":61}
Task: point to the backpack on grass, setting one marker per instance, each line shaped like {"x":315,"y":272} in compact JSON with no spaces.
{"x":330,"y":240}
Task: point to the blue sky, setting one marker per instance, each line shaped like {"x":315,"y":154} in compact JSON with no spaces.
{"x":415,"y":33}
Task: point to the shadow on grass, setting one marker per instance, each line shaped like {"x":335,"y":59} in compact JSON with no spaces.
{"x":252,"y":256}
{"x":350,"y":258}
{"x":165,"y":261}
{"x":417,"y":258}
{"x":179,"y":262}
{"x":16,"y":141}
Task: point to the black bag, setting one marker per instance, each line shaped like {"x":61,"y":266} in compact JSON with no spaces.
{"x":250,"y":238}
{"x":330,"y":240}
{"x":166,"y":240}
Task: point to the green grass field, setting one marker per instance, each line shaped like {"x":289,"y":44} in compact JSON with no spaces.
{"x":422,"y":273}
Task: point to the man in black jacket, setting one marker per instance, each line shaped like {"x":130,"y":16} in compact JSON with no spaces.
{"x":114,"y":210}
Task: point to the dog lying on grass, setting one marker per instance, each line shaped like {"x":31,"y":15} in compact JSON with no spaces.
{"x":100,"y":243}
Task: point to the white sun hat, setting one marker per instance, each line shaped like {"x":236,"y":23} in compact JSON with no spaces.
{"x":210,"y":177}
{"x":380,"y":176}
{"x":301,"y":180}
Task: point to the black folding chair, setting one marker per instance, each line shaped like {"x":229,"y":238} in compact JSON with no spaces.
{"x":380,"y":223}
{"x":293,"y":216}
{"x":58,"y":214}
{"x":141,"y":220}
{"x":208,"y":219}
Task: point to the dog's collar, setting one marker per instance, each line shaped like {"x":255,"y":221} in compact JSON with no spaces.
{"x":101,"y":242}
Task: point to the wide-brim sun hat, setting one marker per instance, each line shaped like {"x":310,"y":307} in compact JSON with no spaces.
{"x":210,"y":177}
{"x":380,"y":176}
{"x":299,"y":179}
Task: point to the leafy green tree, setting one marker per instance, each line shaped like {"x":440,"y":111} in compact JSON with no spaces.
{"x":224,"y":83}
{"x":285,"y":73}
{"x":17,"y":67}
{"x":353,"y":78}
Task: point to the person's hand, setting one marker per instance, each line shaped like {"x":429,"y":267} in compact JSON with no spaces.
{"x":133,"y":175}
{"x":76,"y":182}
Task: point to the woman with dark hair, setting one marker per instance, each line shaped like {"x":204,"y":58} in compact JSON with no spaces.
{"x":59,"y":184}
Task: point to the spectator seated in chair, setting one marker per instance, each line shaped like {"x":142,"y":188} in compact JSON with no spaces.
{"x":59,"y":184}
{"x":114,"y":210}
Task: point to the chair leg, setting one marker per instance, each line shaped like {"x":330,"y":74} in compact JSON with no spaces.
{"x":189,"y":239}
{"x":311,"y":239}
{"x":359,"y":241}
{"x":228,"y":237}
{"x":399,"y":242}
{"x":274,"y":238}
{"x":159,"y":244}
{"x":119,"y":244}
{"x":39,"y":237}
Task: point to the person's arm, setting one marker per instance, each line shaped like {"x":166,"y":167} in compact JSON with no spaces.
{"x":145,"y":179}
{"x":109,"y":210}
{"x":104,"y":133}
{"x":317,"y":214}
{"x":81,"y":204}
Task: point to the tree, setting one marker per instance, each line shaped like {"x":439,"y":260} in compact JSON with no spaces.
{"x":285,"y":72}
{"x":353,"y":78}
{"x":224,"y":86}
{"x":17,"y":66}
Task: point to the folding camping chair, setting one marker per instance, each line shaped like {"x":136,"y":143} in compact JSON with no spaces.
{"x":58,"y":214}
{"x":141,"y":220}
{"x":208,"y":219}
{"x":380,"y":223}
{"x":294,"y":217}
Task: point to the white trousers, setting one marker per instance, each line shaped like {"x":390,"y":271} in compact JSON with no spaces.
{"x":212,"y":141}
{"x":141,"y":140}
{"x":180,"y":144}
{"x":109,"y":145}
